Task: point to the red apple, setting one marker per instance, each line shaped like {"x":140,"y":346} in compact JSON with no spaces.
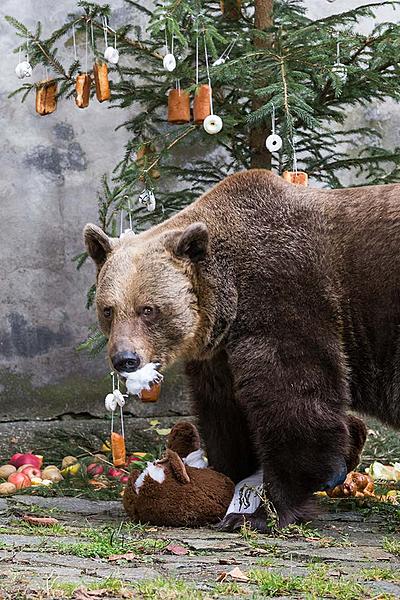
{"x":26,"y":459}
{"x":124,"y":479}
{"x":95,"y":469}
{"x":32,"y":472}
{"x":113,"y":472}
{"x":20,"y":480}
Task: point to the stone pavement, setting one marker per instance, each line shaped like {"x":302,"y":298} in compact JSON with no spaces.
{"x":46,"y":559}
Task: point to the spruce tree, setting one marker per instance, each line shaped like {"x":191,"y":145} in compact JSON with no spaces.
{"x":278,"y":60}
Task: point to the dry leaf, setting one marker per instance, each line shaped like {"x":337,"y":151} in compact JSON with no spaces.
{"x":99,"y":485}
{"x":126,"y":556}
{"x":236,"y":574}
{"x":43,"y":521}
{"x":176,"y":549}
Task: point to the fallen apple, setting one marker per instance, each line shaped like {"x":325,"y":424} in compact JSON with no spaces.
{"x":95,"y":469}
{"x":26,"y":459}
{"x":32,"y":472}
{"x":114,"y":472}
{"x":20,"y":480}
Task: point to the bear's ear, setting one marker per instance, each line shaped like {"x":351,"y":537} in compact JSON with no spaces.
{"x":191,"y":243}
{"x":98,"y":244}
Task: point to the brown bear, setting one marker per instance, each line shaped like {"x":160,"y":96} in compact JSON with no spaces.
{"x":284,"y":303}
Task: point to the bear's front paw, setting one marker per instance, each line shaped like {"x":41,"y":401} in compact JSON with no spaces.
{"x":234,"y":521}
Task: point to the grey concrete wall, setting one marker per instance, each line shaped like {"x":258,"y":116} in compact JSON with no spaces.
{"x":50,"y":169}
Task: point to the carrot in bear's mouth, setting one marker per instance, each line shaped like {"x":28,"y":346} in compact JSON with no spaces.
{"x":142,"y":379}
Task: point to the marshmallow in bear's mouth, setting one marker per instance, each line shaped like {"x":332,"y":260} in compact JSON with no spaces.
{"x":142,"y":379}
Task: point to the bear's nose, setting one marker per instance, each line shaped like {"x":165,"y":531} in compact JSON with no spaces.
{"x":125,"y":361}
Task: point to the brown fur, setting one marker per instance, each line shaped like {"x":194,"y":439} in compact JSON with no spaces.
{"x":183,"y":438}
{"x":188,"y":497}
{"x":202,"y":500}
{"x":284,"y":303}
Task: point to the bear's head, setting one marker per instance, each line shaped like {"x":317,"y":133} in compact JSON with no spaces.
{"x":148,"y":291}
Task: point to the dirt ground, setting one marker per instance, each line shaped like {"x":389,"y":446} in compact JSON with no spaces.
{"x":92,"y":552}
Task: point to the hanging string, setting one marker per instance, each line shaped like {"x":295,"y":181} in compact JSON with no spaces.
{"x":112,"y":412}
{"x":27,"y":47}
{"x":130,"y":214}
{"x":208,"y":73}
{"x":91,"y":33}
{"x":338,"y":52}
{"x":122,"y":421}
{"x":197,"y":52}
{"x":293,"y":144}
{"x":273,"y":120}
{"x":74,"y":41}
{"x":105,"y":30}
{"x":86,"y":47}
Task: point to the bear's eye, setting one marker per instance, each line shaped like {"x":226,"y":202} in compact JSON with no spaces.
{"x":147,"y":311}
{"x":107,"y":312}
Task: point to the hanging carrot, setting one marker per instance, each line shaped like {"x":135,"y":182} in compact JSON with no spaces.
{"x":118,"y":449}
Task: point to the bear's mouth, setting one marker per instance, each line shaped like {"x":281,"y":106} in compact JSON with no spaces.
{"x":142,"y":379}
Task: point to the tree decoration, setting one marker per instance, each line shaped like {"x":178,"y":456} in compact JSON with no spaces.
{"x":46,"y":97}
{"x":82,"y":88}
{"x":282,"y":57}
{"x":110,"y":53}
{"x":100,"y":74}
{"x":221,"y":60}
{"x":145,"y":155}
{"x":178,"y":105}
{"x":169,"y":60}
{"x":203,"y":93}
{"x":296,"y":177}
{"x":148,"y":199}
{"x":273,"y":142}
{"x":212,"y":123}
{"x":24,"y":68}
{"x":201,"y":103}
{"x":231,"y":8}
{"x":339,"y":68}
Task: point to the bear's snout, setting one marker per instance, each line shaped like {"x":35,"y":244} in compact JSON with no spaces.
{"x":125,"y":362}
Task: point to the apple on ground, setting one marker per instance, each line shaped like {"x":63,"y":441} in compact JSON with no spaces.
{"x":20,"y":480}
{"x":32,"y":472}
{"x":95,"y":469}
{"x":26,"y":459}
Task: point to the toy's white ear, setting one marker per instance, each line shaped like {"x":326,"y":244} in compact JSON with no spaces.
{"x":177,"y":466}
{"x":98,"y":244}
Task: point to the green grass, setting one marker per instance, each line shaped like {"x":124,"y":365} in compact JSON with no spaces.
{"x":379,"y":574}
{"x":316,"y":584}
{"x":102,"y":543}
{"x":392,"y":545}
{"x":21,"y":527}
